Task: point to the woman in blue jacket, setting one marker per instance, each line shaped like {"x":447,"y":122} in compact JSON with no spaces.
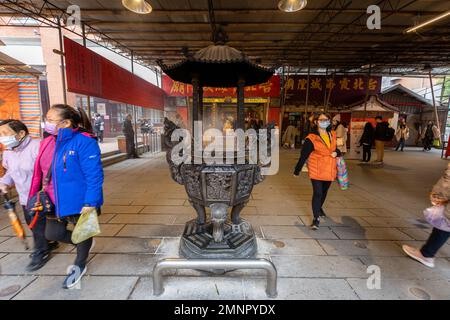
{"x":75,"y":183}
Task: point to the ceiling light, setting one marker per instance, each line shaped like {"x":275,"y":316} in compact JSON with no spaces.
{"x":292,"y":5}
{"x":137,"y":6}
{"x":442,"y":16}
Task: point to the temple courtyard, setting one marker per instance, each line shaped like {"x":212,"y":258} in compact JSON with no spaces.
{"x":145,"y":211}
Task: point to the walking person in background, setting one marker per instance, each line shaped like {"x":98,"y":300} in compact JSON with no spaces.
{"x":429,"y":134}
{"x":440,"y":195}
{"x":72,"y":155}
{"x":319,"y":152}
{"x":128,"y":131}
{"x":366,"y":141}
{"x":341,"y":134}
{"x":402,"y":134}
{"x":381,"y":132}
{"x":99,"y":127}
{"x":18,"y":160}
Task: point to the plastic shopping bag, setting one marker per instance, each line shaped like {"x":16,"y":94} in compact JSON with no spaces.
{"x":342,"y":174}
{"x":436,"y":143}
{"x":435,"y":216}
{"x":87,"y":227}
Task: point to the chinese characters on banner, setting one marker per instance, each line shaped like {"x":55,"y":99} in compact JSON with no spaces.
{"x":344,"y":89}
{"x":270,"y":88}
{"x":90,"y":74}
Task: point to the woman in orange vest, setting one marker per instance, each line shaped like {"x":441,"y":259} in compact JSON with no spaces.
{"x":319,"y":152}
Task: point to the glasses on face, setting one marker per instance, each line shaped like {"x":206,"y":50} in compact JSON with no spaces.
{"x":54,"y":121}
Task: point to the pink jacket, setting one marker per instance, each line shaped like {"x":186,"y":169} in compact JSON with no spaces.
{"x":41,"y":167}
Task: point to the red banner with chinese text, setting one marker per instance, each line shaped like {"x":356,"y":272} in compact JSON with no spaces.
{"x":345,"y":90}
{"x":270,"y":88}
{"x":90,"y":74}
{"x":9,"y":100}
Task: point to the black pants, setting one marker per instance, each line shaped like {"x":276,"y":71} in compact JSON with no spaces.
{"x":401,"y":144}
{"x":436,"y":240}
{"x":427,"y":144}
{"x":40,"y":242}
{"x":131,"y":147}
{"x":320,"y":190}
{"x":367,"y":153}
{"x":57,"y":230}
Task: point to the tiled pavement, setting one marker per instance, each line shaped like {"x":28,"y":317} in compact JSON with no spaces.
{"x":145,"y":212}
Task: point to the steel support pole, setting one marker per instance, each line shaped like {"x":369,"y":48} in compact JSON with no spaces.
{"x":435,"y":107}
{"x":208,"y":264}
{"x":195,"y":100}
{"x":367,"y":90}
{"x":83,"y":29}
{"x":307,"y":86}
{"x":240,"y":105}
{"x":134,"y":110}
{"x":63,"y":67}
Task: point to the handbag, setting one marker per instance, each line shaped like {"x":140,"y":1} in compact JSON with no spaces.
{"x":436,"y":143}
{"x":41,"y":203}
{"x":435,"y":216}
{"x":342,"y":173}
{"x":87,"y":227}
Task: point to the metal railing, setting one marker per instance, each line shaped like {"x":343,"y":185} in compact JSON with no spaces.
{"x":208,"y":264}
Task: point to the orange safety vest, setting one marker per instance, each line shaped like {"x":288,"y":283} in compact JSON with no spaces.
{"x":321,"y":165}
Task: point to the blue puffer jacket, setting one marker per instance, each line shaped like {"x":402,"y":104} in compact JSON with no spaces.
{"x":77,"y":173}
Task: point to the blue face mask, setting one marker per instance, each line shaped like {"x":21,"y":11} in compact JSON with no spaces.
{"x":9,"y":142}
{"x":324,"y":124}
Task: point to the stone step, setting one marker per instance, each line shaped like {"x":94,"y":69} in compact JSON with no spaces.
{"x":110,"y":154}
{"x":119,"y":157}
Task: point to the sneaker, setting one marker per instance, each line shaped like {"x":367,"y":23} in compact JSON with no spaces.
{"x":322,"y":214}
{"x":315,"y":224}
{"x":417,"y":255}
{"x":38,"y":261}
{"x":74,"y":277}
{"x":52,"y":245}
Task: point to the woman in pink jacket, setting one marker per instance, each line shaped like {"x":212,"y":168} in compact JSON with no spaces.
{"x":18,"y":160}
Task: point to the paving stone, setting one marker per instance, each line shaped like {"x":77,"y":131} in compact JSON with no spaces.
{"x":359,"y":204}
{"x":122,"y":264}
{"x":2,"y":239}
{"x":143,"y":219}
{"x":191,"y":288}
{"x":122,"y":209}
{"x":118,"y":201}
{"x":360,"y":248}
{"x":336,"y":212}
{"x":109,"y":230}
{"x":151,"y":231}
{"x":168,"y":210}
{"x":105,"y":217}
{"x":13,"y":285}
{"x":389,"y":222}
{"x":296,"y":232}
{"x":301,"y":289}
{"x":384,"y":213}
{"x":125,"y":245}
{"x":416,"y":233}
{"x":296,"y":247}
{"x":274,"y":220}
{"x":369,"y":233}
{"x":183,"y":218}
{"x":158,"y":202}
{"x":392,"y":289}
{"x":15,"y":245}
{"x":337,"y":221}
{"x":319,"y":266}
{"x":407,"y":268}
{"x":15,"y":264}
{"x":91,"y":288}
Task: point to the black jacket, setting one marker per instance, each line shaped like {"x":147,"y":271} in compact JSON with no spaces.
{"x":367,"y":136}
{"x":381,"y":131}
{"x":127,"y":128}
{"x":307,"y":148}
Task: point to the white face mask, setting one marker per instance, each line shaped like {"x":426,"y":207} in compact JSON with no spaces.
{"x":9,"y":142}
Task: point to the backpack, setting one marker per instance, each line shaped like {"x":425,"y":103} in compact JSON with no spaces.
{"x":390,"y":132}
